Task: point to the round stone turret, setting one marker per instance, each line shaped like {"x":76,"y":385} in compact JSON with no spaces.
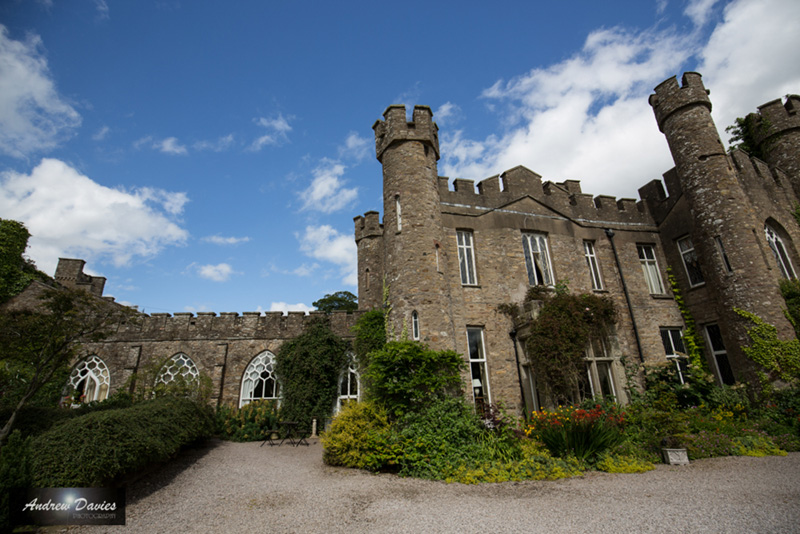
{"x":776,"y":128}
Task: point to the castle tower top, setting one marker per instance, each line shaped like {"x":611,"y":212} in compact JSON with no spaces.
{"x":394,"y":127}
{"x":670,"y":97}
{"x":776,"y":117}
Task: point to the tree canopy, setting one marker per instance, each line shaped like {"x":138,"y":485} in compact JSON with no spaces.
{"x":339,"y":301}
{"x":16,"y":272}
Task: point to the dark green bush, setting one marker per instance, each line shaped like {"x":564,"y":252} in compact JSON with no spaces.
{"x":97,"y":448}
{"x":309,"y":367}
{"x":370,"y":335}
{"x":14,"y":473}
{"x":252,"y":422}
{"x":406,"y":376}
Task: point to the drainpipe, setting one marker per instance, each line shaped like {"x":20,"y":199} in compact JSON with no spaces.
{"x":610,"y":235}
{"x":513,"y":335}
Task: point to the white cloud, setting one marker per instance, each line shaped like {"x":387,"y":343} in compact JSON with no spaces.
{"x":218,"y":273}
{"x":70,"y":215}
{"x":285,"y":307}
{"x":102,"y":9}
{"x":587,"y":117}
{"x":305,"y":269}
{"x":699,"y":11}
{"x":355,"y":147}
{"x":278,"y":129}
{"x":220,"y":145}
{"x":327,"y":192}
{"x":325,"y":243}
{"x":220,"y":240}
{"x":101,"y":133}
{"x":33,"y":117}
{"x":170,"y":145}
{"x":447,"y":112}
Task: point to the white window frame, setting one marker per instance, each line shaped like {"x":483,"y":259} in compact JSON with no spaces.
{"x":180,"y":365}
{"x":674,"y":348}
{"x":93,"y":373}
{"x":253,"y":374}
{"x":781,"y":254}
{"x":594,"y":266}
{"x":691,"y":263}
{"x":478,"y":370}
{"x":415,"y":325}
{"x":537,"y":259}
{"x":347,"y":380}
{"x":466,"y":257}
{"x":650,"y":270}
{"x":594,"y":363}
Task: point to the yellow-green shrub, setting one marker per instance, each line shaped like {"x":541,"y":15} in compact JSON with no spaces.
{"x":618,"y":463}
{"x":360,"y":437}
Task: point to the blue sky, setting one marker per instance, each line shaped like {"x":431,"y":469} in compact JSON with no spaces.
{"x":210,"y":156}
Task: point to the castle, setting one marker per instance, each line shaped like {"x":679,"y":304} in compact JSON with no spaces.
{"x":443,"y":259}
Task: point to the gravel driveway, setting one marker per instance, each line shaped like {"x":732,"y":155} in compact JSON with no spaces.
{"x":241,"y":487}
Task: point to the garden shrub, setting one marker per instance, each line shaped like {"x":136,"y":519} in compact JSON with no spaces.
{"x":529,"y":468}
{"x":360,"y":437}
{"x":97,"y":448}
{"x":252,"y":422}
{"x":621,"y":463}
{"x":309,"y":367}
{"x":14,"y":473}
{"x":583,"y":434}
{"x":756,"y":443}
{"x":707,"y":444}
{"x":370,"y":335}
{"x":406,"y":376}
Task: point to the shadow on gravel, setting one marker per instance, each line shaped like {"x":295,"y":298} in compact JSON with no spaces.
{"x":142,"y":484}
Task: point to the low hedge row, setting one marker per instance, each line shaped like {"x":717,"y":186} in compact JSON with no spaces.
{"x":94,"y":449}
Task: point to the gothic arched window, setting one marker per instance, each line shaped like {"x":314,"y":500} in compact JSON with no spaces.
{"x":259,"y":380}
{"x":179,"y":366}
{"x":349,"y":382}
{"x":781,"y":254}
{"x":89,"y":380}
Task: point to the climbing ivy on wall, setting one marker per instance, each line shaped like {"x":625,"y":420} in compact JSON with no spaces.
{"x":692,"y":340}
{"x":560,"y":334}
{"x":309,"y":367}
{"x":779,"y":358}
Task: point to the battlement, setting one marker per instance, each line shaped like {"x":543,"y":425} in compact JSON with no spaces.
{"x":670,"y":97}
{"x":69,"y":273}
{"x":368,"y":226}
{"x":500,"y":192}
{"x":395,"y":128}
{"x":209,"y":326}
{"x":775,"y":117}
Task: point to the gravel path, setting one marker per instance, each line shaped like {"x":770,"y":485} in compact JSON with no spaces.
{"x":241,"y":487}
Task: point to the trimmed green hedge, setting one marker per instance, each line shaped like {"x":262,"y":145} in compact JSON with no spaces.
{"x":97,"y":448}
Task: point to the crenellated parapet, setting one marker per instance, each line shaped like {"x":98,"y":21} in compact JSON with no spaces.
{"x":69,"y":273}
{"x":566,"y":198}
{"x":368,"y":225}
{"x":395,"y":128}
{"x":775,"y":117}
{"x":227,"y":326}
{"x":670,"y":97}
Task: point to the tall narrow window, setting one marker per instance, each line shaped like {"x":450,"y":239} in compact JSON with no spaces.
{"x":466,"y":257}
{"x":537,"y":259}
{"x":259,"y":380}
{"x":399,"y":212}
{"x":690,"y":262}
{"x":781,"y":256}
{"x":89,"y":381}
{"x":647,"y":258}
{"x":599,"y":369}
{"x":349,"y":381}
{"x":672,"y":338}
{"x":479,"y":379}
{"x":415,"y":325}
{"x":594,"y":267}
{"x":723,"y":255}
{"x":720,"y":354}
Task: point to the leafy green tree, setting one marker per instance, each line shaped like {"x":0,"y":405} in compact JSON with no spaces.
{"x":37,"y":346}
{"x":405,"y":376}
{"x":743,"y":136}
{"x":16,"y":272}
{"x":339,"y":301}
{"x":309,"y":367}
{"x":370,"y":332}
